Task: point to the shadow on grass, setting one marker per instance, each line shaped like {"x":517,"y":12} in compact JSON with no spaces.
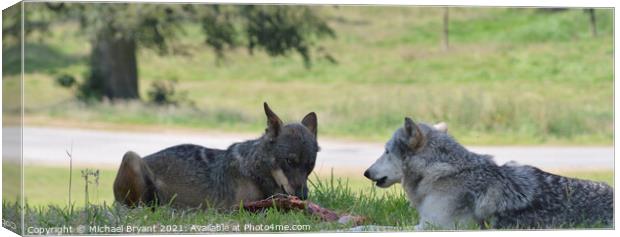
{"x":37,"y":58}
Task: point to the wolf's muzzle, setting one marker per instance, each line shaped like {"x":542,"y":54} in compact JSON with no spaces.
{"x":380,"y":182}
{"x":302,"y":193}
{"x":367,"y":174}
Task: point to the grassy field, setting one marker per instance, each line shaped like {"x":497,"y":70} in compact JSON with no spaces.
{"x":511,"y":76}
{"x":46,"y":185}
{"x":381,"y":207}
{"x":47,"y":198}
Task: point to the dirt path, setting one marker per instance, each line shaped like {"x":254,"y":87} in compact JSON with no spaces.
{"x":45,"y":145}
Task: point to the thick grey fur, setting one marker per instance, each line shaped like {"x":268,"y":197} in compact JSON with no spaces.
{"x":452,"y":186}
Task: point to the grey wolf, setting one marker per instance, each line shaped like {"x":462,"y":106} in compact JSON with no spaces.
{"x":188,"y":175}
{"x":452,"y":187}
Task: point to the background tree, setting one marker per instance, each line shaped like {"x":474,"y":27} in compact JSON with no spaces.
{"x":592,"y":17}
{"x":12,"y":19}
{"x":446,"y":29}
{"x":118,"y":30}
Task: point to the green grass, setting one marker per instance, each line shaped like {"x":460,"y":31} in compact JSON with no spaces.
{"x":11,"y":180}
{"x":46,"y":198}
{"x":385,"y":209}
{"x":47,"y":185}
{"x":511,"y":76}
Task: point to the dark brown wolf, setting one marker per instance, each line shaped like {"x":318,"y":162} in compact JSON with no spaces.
{"x":195,"y":176}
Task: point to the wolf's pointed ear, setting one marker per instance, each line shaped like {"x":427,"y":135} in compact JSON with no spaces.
{"x":274,"y":124}
{"x":410,"y":127}
{"x":310,"y":121}
{"x":416,"y":138}
{"x":442,"y":126}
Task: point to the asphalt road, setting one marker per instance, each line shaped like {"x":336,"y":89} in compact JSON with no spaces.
{"x":45,"y":145}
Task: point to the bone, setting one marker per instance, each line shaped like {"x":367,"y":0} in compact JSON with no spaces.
{"x":281,"y":180}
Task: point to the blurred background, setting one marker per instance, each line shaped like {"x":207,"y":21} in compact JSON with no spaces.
{"x":497,"y":76}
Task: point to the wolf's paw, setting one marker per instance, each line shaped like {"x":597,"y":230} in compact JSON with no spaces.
{"x":419,"y":227}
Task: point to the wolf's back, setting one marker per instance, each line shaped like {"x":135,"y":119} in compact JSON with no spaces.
{"x":189,"y":174}
{"x":559,"y":201}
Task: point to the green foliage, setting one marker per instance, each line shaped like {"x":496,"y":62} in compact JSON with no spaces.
{"x":85,"y":91}
{"x":90,"y":176}
{"x":11,"y":25}
{"x":218,"y":23}
{"x":165,"y":93}
{"x":277,"y":29}
{"x":35,"y":19}
{"x":66,"y":80}
{"x":151,"y":25}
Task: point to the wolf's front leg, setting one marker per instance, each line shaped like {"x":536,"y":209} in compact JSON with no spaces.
{"x":438,"y":212}
{"x":427,"y":224}
{"x":421,"y":225}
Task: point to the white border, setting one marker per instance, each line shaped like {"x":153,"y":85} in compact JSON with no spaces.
{"x":539,"y":3}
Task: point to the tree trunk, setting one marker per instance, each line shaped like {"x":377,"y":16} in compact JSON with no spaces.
{"x":590,"y":12}
{"x":114,"y":67}
{"x":446,"y":30}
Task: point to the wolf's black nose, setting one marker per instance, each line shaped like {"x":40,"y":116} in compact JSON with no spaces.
{"x":302,"y":193}
{"x":367,"y":174}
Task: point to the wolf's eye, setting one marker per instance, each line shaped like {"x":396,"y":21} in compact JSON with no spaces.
{"x":289,"y":162}
{"x":387,"y":151}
